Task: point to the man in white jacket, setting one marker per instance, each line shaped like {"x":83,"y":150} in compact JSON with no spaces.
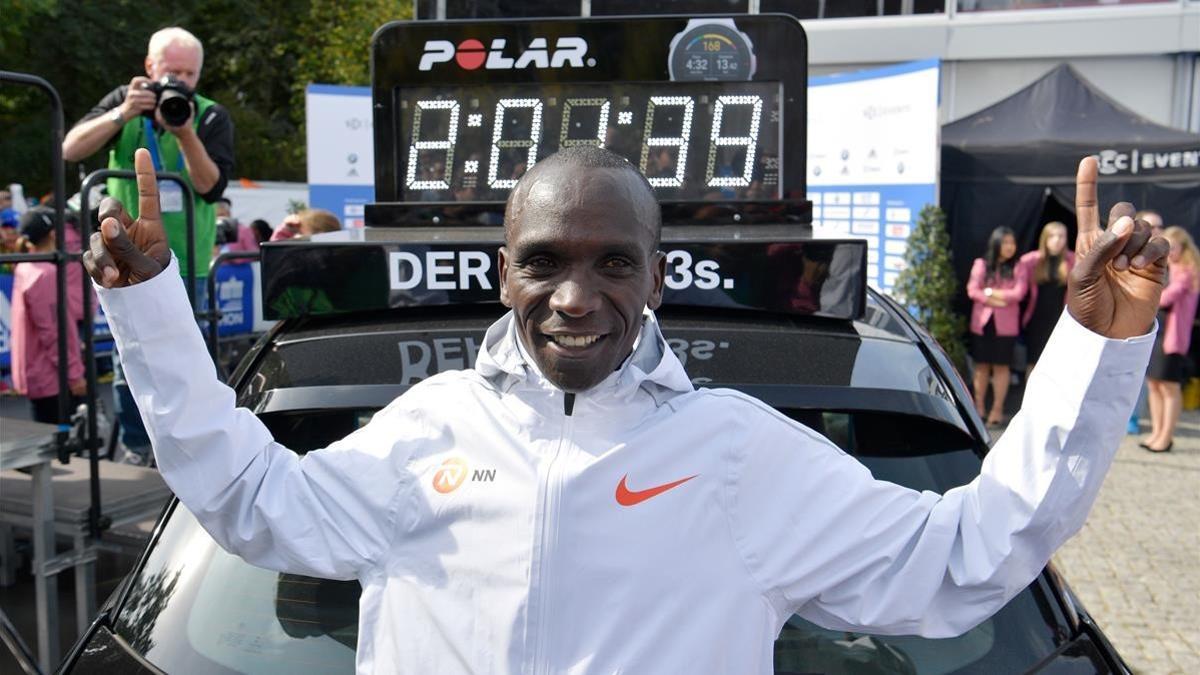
{"x":634,"y":524}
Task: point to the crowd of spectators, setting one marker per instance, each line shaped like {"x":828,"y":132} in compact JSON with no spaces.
{"x":1017,"y":300}
{"x":29,"y":228}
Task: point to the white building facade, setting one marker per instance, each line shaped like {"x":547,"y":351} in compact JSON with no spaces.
{"x":1145,"y":55}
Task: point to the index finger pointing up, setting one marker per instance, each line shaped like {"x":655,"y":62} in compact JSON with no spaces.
{"x":147,"y":185}
{"x":1087,"y":212}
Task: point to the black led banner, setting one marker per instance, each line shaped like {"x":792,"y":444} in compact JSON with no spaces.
{"x":818,"y":278}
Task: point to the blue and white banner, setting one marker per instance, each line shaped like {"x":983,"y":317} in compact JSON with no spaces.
{"x":341,"y":151}
{"x":235,"y":298}
{"x":873,"y":154}
{"x":6,"y":286}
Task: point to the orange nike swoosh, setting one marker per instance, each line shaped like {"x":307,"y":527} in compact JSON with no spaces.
{"x":627,"y":497}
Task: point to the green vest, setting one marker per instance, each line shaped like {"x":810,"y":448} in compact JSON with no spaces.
{"x":133,"y":136}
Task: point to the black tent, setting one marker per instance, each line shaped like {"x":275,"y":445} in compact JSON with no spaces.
{"x":1014,"y":163}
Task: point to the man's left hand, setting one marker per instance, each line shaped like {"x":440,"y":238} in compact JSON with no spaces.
{"x":1119,"y":272}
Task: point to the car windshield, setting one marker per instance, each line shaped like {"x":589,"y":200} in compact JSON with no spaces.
{"x":195,"y":609}
{"x":1011,"y":641}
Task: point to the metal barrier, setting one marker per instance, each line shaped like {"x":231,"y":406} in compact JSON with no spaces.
{"x":46,"y":564}
{"x":46,"y":590}
{"x":12,"y":639}
{"x":214,"y":312}
{"x":96,"y":519}
{"x":59,"y":257}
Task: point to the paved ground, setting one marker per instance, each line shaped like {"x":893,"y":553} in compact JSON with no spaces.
{"x":1136,"y":563}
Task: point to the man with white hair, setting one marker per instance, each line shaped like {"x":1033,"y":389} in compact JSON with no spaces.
{"x":200,"y":149}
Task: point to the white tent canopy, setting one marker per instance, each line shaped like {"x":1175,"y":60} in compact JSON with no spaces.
{"x":268,"y":200}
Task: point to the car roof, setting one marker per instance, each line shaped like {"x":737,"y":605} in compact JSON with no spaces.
{"x":364,"y":360}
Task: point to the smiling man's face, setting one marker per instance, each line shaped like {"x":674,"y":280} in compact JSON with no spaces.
{"x":580,"y":263}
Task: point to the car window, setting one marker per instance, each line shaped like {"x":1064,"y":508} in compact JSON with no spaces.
{"x":193,"y":608}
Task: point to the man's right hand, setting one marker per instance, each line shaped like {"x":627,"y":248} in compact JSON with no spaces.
{"x":138,"y":99}
{"x":126,"y":251}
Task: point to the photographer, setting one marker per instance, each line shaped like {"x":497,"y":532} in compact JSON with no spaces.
{"x":198,"y":146}
{"x":186,"y":134}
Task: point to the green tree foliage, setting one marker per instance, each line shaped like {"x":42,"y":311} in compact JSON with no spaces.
{"x":338,"y":38}
{"x":258,"y":59}
{"x":929,"y":286}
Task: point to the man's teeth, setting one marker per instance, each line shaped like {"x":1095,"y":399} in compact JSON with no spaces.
{"x":575,"y":340}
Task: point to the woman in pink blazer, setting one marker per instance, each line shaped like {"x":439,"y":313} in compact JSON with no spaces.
{"x":1169,"y":365}
{"x":1045,"y":272}
{"x":996,"y":288}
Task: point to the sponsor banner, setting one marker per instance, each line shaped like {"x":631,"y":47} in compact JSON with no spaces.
{"x":873,"y":157}
{"x":235,"y":299}
{"x":341,"y":151}
{"x":886,"y":227}
{"x":821,"y":278}
{"x":6,"y":286}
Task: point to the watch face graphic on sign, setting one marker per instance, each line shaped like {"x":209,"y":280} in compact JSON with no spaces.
{"x":711,"y":50}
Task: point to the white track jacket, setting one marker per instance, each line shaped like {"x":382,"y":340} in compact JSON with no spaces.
{"x":656,"y":529}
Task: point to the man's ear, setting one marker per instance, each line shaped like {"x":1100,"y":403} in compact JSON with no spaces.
{"x":502,"y":261}
{"x":658,"y":273}
{"x":148,"y":64}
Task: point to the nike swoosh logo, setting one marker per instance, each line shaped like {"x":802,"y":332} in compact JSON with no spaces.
{"x":627,"y":497}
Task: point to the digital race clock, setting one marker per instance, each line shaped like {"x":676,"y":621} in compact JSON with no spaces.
{"x":693,"y":140}
{"x":710,"y":110}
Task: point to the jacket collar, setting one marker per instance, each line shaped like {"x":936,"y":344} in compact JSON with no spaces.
{"x":652,"y":365}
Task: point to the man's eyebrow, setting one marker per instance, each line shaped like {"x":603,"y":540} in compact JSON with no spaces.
{"x":527,"y":248}
{"x":628,"y":249}
{"x":532,"y":246}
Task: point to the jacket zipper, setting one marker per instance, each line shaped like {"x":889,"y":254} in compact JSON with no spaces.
{"x":549,"y":525}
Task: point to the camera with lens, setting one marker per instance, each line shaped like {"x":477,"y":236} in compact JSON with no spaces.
{"x":174,"y":99}
{"x":227,"y":231}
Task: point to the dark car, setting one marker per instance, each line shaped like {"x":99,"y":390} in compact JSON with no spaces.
{"x":877,"y":386}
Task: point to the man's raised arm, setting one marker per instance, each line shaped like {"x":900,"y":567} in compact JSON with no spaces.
{"x":849,"y":552}
{"x":324,"y":515}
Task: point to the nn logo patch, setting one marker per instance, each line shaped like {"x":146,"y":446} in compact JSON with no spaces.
{"x":454,"y":472}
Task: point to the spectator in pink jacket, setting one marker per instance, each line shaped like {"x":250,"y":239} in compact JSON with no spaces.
{"x":996,"y":288}
{"x":1169,"y":365}
{"x":35,"y":326}
{"x":1045,"y":272}
{"x":75,"y":272}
